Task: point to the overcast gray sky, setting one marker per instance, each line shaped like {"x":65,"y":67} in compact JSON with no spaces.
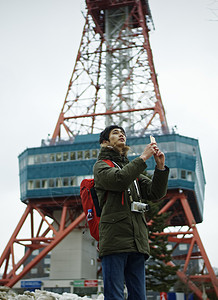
{"x":39,"y":43}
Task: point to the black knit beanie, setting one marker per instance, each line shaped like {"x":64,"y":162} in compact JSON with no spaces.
{"x":104,"y":135}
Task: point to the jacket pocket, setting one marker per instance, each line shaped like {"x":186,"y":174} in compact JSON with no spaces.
{"x":113,"y":218}
{"x":115,"y":228}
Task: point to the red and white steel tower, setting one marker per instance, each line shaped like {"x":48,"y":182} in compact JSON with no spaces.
{"x":114,"y":82}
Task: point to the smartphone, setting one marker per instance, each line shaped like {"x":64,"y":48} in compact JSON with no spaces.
{"x":152,"y":139}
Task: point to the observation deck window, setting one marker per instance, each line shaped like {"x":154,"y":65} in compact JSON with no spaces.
{"x":173,"y":174}
{"x":65,"y":181}
{"x":30,"y":185}
{"x":44,"y":158}
{"x":79,"y":154}
{"x":94,"y":153}
{"x":37,"y":184}
{"x":65,"y":156}
{"x":58,"y":157}
{"x":44,"y":183}
{"x":31,"y":160}
{"x":187,"y":175}
{"x":37,"y":159}
{"x":58,"y":182}
{"x":183,"y":174}
{"x":72,"y":155}
{"x":52,"y":157}
{"x":190,"y":176}
{"x":73,"y":181}
{"x":51,"y":183}
{"x":87,"y":154}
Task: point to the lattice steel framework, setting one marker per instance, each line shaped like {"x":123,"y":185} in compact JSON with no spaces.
{"x":114,"y":80}
{"x":186,"y":233}
{"x":38,"y":228}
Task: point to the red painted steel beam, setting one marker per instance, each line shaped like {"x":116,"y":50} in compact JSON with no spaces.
{"x":63,"y":218}
{"x":175,"y":233}
{"x":201,"y":278}
{"x":189,"y":254}
{"x":6,"y":252}
{"x":6,"y":266}
{"x":109,"y":112}
{"x":105,"y":4}
{"x":57,"y":131}
{"x":97,"y":5}
{"x":168,"y":204}
{"x":196,"y":255}
{"x":35,"y":239}
{"x":179,"y":240}
{"x":43,"y":218}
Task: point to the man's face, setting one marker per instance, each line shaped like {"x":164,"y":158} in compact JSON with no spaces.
{"x":117,"y":138}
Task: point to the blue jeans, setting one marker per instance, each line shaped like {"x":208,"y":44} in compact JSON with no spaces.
{"x":124,"y":267}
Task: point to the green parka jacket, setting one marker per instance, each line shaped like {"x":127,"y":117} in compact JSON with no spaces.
{"x":120,"y":229}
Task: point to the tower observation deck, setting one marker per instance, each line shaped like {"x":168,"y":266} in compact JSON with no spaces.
{"x":54,"y":171}
{"x":113,"y":82}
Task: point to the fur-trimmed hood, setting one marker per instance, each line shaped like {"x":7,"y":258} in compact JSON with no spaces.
{"x":113,"y":152}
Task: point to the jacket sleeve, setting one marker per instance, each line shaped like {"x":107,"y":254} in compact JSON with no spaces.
{"x":114,"y":179}
{"x":155,"y":188}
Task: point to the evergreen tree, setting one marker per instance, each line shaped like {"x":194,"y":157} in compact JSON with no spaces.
{"x":160,"y":277}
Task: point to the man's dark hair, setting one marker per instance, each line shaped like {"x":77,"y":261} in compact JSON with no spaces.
{"x":104,"y":135}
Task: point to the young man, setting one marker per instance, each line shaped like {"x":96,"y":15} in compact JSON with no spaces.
{"x":123,"y":243}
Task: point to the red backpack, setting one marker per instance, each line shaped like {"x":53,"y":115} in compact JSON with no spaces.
{"x":89,"y":200}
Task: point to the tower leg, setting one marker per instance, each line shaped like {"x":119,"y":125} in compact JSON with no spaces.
{"x":53,"y":233}
{"x":191,"y":237}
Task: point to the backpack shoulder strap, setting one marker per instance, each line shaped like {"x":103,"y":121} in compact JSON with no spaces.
{"x":113,"y":164}
{"x":109,"y":162}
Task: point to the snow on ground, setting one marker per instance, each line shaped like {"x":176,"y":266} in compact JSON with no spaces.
{"x":7,"y":294}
